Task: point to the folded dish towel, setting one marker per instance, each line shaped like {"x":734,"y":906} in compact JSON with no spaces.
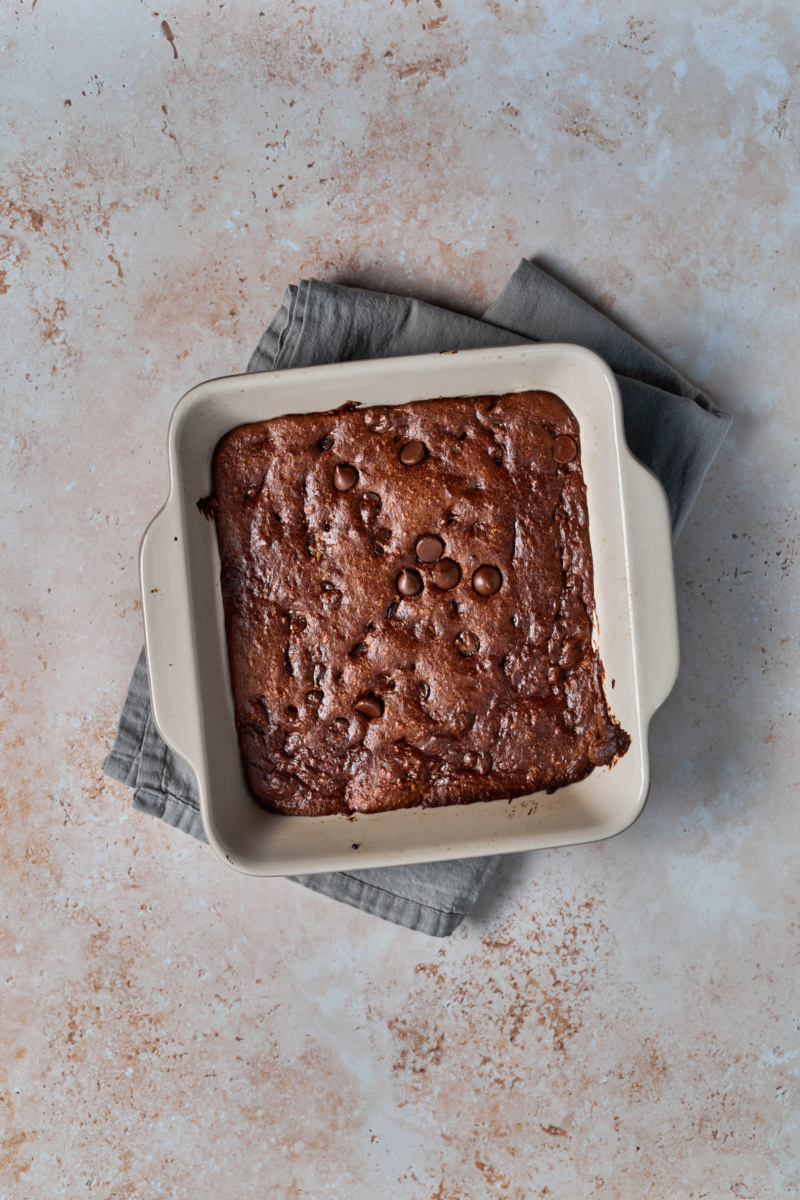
{"x":670,"y":426}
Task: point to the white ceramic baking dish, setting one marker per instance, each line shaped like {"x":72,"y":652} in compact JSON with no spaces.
{"x":185,"y":632}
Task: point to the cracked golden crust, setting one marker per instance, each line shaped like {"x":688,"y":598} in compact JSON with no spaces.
{"x":315,"y":622}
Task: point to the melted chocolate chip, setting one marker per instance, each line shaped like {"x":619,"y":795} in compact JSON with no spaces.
{"x":412,"y":453}
{"x":373,"y":500}
{"x":359,"y":649}
{"x":345,"y":477}
{"x":320,"y":671}
{"x":370,"y":706}
{"x":297,"y":622}
{"x":288,"y":666}
{"x":312,"y":546}
{"x":315,"y":697}
{"x":376,"y":422}
{"x":429,"y":548}
{"x":409,"y":582}
{"x":326,"y":442}
{"x":487,"y":580}
{"x":381,"y":539}
{"x":446,"y":574}
{"x":467,"y":643}
{"x":392,"y":609}
{"x":425,"y":690}
{"x":564,"y":448}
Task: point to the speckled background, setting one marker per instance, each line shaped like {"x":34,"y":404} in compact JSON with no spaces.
{"x":617,"y":1020}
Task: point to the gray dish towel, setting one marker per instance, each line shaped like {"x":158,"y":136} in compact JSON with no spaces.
{"x":670,"y":426}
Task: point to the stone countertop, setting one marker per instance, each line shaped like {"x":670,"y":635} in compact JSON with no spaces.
{"x":618,"y":1019}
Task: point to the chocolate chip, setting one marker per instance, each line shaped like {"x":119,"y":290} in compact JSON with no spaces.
{"x":359,"y":649}
{"x":315,"y":697}
{"x":564,"y":448}
{"x":381,"y":539}
{"x":342,"y":724}
{"x":409,"y":582}
{"x":392,"y":609}
{"x":326,"y":442}
{"x":376,"y":422}
{"x":412,"y":453}
{"x":370,"y":706}
{"x":487,"y":580}
{"x":429,"y":548}
{"x":297,"y":622}
{"x":446,"y":574}
{"x":345,"y":477}
{"x":425,"y":690}
{"x":467,"y":643}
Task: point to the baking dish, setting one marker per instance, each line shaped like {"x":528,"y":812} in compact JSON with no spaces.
{"x":185,"y":633}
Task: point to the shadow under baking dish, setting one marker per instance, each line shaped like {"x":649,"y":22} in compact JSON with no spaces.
{"x":185,"y":634}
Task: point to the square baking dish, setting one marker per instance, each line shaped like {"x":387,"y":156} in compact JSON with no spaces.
{"x":636,"y":627}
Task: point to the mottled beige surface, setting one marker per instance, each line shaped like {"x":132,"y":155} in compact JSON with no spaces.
{"x":619,"y":1019}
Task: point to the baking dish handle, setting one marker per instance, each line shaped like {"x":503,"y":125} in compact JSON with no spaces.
{"x":171,"y":664}
{"x":652,"y":587}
